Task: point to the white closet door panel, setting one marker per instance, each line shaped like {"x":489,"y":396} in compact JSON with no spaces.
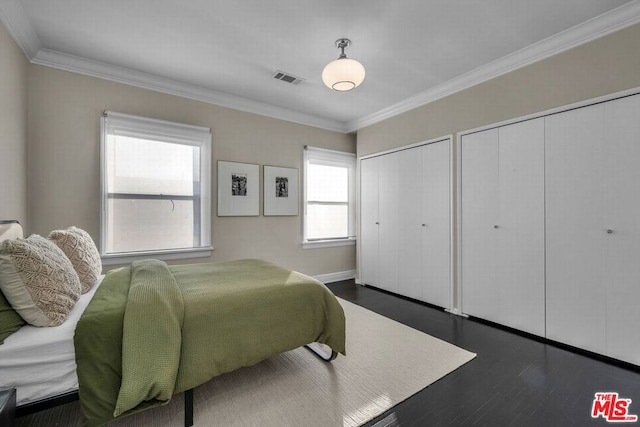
{"x":436,"y":232}
{"x":520,"y":234}
{"x":409,"y":223}
{"x":388,"y":183}
{"x":478,"y":210}
{"x":574,"y":228}
{"x":368,"y":239}
{"x":622,"y":217}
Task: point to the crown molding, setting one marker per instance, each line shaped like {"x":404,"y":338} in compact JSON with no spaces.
{"x":600,"y":26}
{"x":79,"y":65}
{"x":15,"y":20}
{"x":17,"y":23}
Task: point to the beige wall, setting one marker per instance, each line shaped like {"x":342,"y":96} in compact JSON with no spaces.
{"x":63,"y":128}
{"x":64,"y":113}
{"x":604,"y":66}
{"x":13,"y":130}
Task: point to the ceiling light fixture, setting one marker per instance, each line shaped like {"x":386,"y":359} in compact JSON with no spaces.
{"x":343,"y":74}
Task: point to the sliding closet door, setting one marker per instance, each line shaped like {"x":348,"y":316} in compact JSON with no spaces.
{"x":368,"y":239}
{"x":479,"y":187}
{"x":502,"y":217}
{"x":411,"y":181}
{"x":520,"y":232}
{"x":436,"y":223}
{"x":405,"y":241}
{"x":575,"y":230}
{"x":388,"y":183}
{"x":622,"y":219}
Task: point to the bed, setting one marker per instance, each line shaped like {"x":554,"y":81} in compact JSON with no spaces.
{"x":126,"y":354}
{"x":40,"y":362}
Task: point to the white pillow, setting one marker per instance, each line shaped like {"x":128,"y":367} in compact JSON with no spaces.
{"x":38,"y":280}
{"x":79,"y":247}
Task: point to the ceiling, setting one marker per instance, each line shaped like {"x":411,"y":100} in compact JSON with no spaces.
{"x":226,"y":51}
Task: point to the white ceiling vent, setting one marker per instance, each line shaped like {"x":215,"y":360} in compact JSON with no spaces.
{"x":287,"y":77}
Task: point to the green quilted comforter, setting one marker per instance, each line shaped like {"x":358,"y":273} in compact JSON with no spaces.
{"x":154,"y":330}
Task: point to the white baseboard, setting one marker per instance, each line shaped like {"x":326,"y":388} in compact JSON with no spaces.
{"x":456,"y":312}
{"x":336,"y":277}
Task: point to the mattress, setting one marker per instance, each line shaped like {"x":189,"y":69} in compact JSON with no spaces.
{"x":40,"y":362}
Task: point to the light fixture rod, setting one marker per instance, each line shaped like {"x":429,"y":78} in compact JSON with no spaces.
{"x":343,"y":44}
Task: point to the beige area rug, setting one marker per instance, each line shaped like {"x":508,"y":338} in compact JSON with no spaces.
{"x":386,"y":363}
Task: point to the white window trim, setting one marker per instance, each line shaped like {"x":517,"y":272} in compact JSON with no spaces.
{"x":328,"y":243}
{"x":129,"y":257}
{"x":166,"y":131}
{"x":325,"y":243}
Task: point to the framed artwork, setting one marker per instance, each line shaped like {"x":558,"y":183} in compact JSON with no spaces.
{"x":280,"y":191}
{"x":238,"y":189}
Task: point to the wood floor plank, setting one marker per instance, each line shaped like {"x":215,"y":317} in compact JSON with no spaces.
{"x":514,"y":381}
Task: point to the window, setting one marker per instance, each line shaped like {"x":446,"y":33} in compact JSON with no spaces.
{"x":156,"y":186}
{"x":329,"y":197}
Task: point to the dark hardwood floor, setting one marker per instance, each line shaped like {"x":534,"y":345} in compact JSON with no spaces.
{"x":514,"y":381}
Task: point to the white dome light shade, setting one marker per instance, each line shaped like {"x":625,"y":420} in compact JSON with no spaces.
{"x":343,"y":74}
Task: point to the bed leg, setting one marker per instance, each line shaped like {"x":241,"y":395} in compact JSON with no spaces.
{"x":188,"y":408}
{"x":314,"y":347}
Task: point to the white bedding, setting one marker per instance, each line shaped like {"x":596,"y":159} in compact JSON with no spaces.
{"x":40,"y":362}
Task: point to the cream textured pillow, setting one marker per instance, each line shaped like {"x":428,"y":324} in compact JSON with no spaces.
{"x":38,"y":280}
{"x":79,"y":247}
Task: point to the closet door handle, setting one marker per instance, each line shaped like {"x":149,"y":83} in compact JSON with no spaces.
{"x":377,"y":223}
{"x":609,"y":231}
{"x":495,"y":226}
{"x":424,"y":225}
